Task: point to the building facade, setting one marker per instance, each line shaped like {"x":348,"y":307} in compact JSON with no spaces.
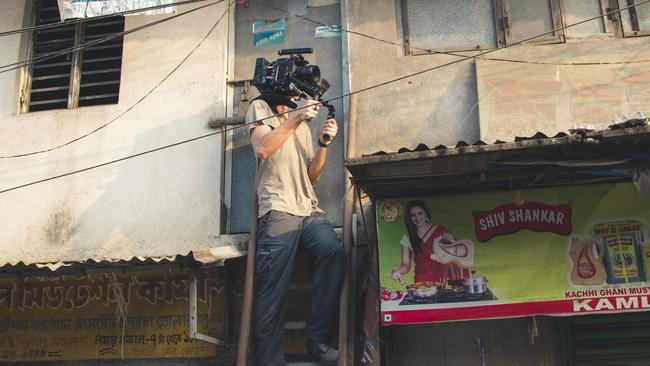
{"x":126,"y":177}
{"x":97,"y":266}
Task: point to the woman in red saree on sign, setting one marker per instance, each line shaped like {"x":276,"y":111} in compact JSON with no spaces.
{"x":417,"y":243}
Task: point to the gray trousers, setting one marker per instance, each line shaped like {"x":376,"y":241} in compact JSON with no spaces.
{"x":278,"y":236}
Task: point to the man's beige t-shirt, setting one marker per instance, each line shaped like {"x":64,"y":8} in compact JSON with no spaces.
{"x":283,"y":179}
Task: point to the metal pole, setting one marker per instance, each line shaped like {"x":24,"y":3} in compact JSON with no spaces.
{"x":247,"y":310}
{"x":345,"y":313}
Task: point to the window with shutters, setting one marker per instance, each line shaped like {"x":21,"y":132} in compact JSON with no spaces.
{"x":431,"y":26}
{"x":444,"y":25}
{"x":577,"y":11}
{"x":636,"y":18}
{"x":88,"y":75}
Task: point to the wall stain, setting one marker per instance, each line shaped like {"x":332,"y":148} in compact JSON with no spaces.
{"x":58,"y":227}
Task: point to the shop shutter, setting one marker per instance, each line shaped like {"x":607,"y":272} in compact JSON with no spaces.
{"x":613,"y":339}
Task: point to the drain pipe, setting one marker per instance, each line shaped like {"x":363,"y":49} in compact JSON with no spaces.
{"x":247,"y":309}
{"x":346,"y":315}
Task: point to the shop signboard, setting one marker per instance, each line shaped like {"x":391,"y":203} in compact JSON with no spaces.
{"x":550,"y":251}
{"x":108,"y":316}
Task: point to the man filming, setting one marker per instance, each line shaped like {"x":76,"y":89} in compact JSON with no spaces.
{"x":289,"y":218}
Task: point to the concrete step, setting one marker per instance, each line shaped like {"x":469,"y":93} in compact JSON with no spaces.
{"x":295,"y":325}
{"x":300,"y":286}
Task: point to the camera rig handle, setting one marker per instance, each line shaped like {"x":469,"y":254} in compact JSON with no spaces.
{"x":331,"y":111}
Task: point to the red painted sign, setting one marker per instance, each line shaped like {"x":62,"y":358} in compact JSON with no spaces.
{"x":510,"y":218}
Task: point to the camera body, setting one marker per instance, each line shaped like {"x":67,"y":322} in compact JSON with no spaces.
{"x":290,"y":76}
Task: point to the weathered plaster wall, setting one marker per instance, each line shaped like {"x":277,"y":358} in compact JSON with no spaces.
{"x":610,"y":80}
{"x":158,"y":204}
{"x":466,"y":102}
{"x":436,"y":107}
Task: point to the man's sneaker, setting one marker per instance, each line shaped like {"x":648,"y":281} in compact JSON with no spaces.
{"x":322,"y":353}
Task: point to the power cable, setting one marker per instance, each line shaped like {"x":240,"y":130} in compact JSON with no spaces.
{"x":352,"y":32}
{"x":489,"y":51}
{"x":590,"y":63}
{"x":431,"y":51}
{"x":271,"y":6}
{"x":79,"y":20}
{"x":132,"y":106}
{"x":47,"y":56}
{"x":328,"y":100}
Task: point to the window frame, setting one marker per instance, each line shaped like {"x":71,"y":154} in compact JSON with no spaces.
{"x":610,"y":23}
{"x":501,"y":27}
{"x":76,"y":64}
{"x":556,"y":19}
{"x":406,"y":35}
{"x":628,"y":33}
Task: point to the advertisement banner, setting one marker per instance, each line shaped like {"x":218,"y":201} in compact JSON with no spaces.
{"x":327,"y":31}
{"x":268,"y":32}
{"x":93,"y":8}
{"x":108,"y":316}
{"x":548,"y":251}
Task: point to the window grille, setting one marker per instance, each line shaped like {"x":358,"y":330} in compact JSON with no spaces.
{"x":89,"y":76}
{"x":636,"y":19}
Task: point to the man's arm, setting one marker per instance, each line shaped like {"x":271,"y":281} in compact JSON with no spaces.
{"x":267,"y":140}
{"x":317,"y":164}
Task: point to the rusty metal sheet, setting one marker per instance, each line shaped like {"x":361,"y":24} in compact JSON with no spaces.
{"x":579,"y":157}
{"x":199,"y":256}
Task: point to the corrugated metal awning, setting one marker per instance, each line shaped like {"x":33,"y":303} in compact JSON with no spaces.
{"x":196,"y":257}
{"x":577,"y":157}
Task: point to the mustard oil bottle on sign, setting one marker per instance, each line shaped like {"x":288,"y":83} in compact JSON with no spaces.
{"x":623,"y":256}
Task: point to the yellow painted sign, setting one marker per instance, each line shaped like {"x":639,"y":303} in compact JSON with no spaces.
{"x":108,"y":316}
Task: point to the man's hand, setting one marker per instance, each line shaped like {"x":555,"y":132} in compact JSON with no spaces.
{"x":306,"y":113}
{"x":328,"y":128}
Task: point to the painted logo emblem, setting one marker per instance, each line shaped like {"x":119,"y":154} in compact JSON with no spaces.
{"x":391,"y":211}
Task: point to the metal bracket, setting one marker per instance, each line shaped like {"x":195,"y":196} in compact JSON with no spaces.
{"x":246,"y":93}
{"x":194,"y":334}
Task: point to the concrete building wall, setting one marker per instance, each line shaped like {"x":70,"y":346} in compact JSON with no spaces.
{"x":478,"y":99}
{"x":158,"y":204}
{"x":583,"y":83}
{"x":434,"y":108}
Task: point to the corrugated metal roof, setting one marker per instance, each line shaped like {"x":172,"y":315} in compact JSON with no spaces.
{"x":576,"y":156}
{"x":196,"y":257}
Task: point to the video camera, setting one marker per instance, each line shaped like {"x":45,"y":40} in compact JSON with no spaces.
{"x":292,"y":76}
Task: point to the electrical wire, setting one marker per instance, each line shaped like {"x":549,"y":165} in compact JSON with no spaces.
{"x":132,"y":106}
{"x":328,"y":100}
{"x":591,"y":63}
{"x":271,"y":6}
{"x":324,"y":24}
{"x":79,"y":20}
{"x":431,"y":51}
{"x":33,"y":60}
